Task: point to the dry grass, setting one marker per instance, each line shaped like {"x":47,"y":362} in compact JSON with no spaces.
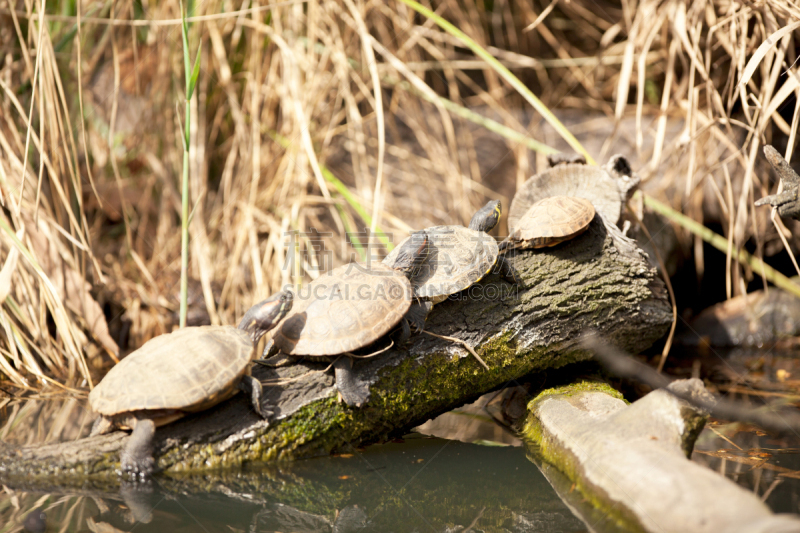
{"x":326,"y":116}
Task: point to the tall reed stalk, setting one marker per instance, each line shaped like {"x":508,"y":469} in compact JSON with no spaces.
{"x":190,"y":77}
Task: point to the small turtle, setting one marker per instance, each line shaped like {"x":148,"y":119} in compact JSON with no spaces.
{"x":182,"y":372}
{"x":458,"y":258}
{"x":550,"y":221}
{"x":349,"y":308}
{"x":608,"y":188}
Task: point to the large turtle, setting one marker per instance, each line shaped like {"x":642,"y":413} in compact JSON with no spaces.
{"x":182,"y":372}
{"x":607,"y":187}
{"x":550,"y":221}
{"x":349,"y":308}
{"x":458,"y":258}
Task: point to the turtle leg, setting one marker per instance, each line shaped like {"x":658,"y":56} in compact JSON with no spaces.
{"x":355,"y":393}
{"x":252,"y":387}
{"x":418,"y":313}
{"x":267,"y":353}
{"x":507,"y":272}
{"x":405,"y":332}
{"x":137,"y":455}
{"x":101,"y":426}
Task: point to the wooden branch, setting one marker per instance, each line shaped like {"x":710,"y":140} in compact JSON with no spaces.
{"x":596,"y":281}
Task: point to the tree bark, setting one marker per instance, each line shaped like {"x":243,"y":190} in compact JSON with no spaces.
{"x":599,"y":279}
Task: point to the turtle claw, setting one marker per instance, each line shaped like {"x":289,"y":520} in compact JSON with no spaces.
{"x":133,"y":468}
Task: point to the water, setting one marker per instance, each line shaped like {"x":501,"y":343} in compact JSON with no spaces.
{"x":418,"y":485}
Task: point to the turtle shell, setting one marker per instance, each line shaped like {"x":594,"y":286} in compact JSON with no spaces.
{"x":551,"y":221}
{"x":590,"y":182}
{"x":457,"y":258}
{"x":346,"y":309}
{"x":188,"y":370}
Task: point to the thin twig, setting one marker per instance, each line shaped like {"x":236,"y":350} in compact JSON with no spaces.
{"x":373,"y":354}
{"x":668,"y":283}
{"x":462,"y":343}
{"x":624,"y":365}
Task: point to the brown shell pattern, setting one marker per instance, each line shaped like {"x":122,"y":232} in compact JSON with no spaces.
{"x":581,"y":181}
{"x":182,"y":370}
{"x":346,"y":309}
{"x":457,"y":258}
{"x":553,"y":220}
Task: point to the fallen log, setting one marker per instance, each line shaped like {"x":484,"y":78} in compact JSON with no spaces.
{"x":599,"y":279}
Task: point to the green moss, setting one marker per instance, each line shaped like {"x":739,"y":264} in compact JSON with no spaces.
{"x":573,"y":388}
{"x":534,"y":434}
{"x":695,"y":422}
{"x":397,"y":402}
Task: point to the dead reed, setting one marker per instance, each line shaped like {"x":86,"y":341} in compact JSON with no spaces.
{"x":322,"y":131}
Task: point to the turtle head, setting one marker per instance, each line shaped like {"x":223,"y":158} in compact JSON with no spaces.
{"x":486,"y":217}
{"x":412,"y":253}
{"x":266,"y":314}
{"x":627,"y":180}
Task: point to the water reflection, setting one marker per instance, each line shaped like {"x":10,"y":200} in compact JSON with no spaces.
{"x":420,"y":484}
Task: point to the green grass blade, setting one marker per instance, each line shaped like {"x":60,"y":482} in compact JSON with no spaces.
{"x":185,"y":37}
{"x":185,"y":178}
{"x":195,"y":74}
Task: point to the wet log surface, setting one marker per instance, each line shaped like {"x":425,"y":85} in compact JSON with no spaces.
{"x":594,"y":280}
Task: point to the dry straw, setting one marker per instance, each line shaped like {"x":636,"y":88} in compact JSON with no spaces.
{"x":323,"y":131}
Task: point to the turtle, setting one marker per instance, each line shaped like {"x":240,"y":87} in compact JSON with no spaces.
{"x":347,"y":309}
{"x":182,"y":372}
{"x":550,"y":221}
{"x":458,"y":258}
{"x":607,"y":187}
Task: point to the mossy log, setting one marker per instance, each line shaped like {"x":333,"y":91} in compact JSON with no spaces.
{"x":599,"y":279}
